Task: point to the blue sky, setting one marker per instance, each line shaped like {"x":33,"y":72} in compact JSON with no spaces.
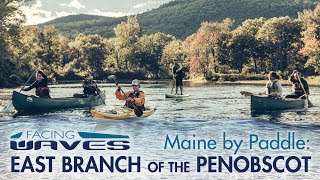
{"x":39,"y":11}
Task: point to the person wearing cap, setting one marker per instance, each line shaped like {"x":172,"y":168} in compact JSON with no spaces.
{"x":90,"y":87}
{"x":178,"y":76}
{"x":299,"y":86}
{"x":41,"y":85}
{"x":136,"y":96}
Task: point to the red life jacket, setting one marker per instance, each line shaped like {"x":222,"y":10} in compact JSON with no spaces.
{"x":40,"y":91}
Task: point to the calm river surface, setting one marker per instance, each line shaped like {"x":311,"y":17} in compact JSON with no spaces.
{"x":209,"y":111}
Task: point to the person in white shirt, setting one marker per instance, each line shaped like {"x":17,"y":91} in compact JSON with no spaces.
{"x":273,"y":87}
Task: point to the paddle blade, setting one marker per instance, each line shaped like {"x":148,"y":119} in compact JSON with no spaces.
{"x":310,"y":104}
{"x":245,"y":93}
{"x":138,"y":112}
{"x":16,"y":78}
{"x":112,"y":78}
{"x":8,"y":107}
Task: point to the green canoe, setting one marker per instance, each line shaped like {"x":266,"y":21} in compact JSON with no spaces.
{"x":32,"y":104}
{"x":260,"y":103}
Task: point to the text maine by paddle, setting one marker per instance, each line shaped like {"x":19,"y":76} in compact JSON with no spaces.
{"x":255,"y":141}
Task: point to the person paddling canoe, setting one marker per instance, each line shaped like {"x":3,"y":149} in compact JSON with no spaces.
{"x":178,"y":76}
{"x":273,"y":87}
{"x":90,"y":87}
{"x":135,"y":97}
{"x":41,"y":85}
{"x":300,"y":86}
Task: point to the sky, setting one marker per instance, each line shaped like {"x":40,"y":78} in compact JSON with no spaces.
{"x":40,"y":11}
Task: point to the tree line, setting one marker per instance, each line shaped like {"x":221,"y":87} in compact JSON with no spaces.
{"x":257,"y":46}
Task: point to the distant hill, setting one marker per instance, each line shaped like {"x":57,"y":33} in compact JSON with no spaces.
{"x":183,"y":17}
{"x":74,"y":18}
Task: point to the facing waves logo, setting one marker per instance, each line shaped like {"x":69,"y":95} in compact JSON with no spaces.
{"x":55,"y":140}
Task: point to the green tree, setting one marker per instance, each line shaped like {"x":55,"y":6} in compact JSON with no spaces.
{"x":282,"y":36}
{"x":243,"y":45}
{"x":11,"y":19}
{"x":127,"y":36}
{"x":10,"y":15}
{"x":151,"y":48}
{"x":88,"y":54}
{"x":172,"y":52}
{"x":110,"y":63}
{"x":44,"y":49}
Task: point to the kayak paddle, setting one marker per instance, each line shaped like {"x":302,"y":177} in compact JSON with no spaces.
{"x":137,"y":110}
{"x":305,"y":93}
{"x":7,"y":108}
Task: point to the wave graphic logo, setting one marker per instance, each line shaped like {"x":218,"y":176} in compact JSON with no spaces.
{"x":66,"y":140}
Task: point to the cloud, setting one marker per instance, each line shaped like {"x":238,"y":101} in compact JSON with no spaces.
{"x":38,"y":16}
{"x":146,"y":4}
{"x":35,"y":15}
{"x":38,"y":4}
{"x":63,"y":13}
{"x":74,"y":4}
{"x":40,"y":11}
{"x":108,"y":13}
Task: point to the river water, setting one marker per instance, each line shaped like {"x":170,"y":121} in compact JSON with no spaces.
{"x":210,"y":111}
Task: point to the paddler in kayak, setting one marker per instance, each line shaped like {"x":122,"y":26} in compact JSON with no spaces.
{"x":135,"y":97}
{"x":300,"y":86}
{"x":90,"y":87}
{"x":41,"y":85}
{"x":178,"y":77}
{"x":273,"y":87}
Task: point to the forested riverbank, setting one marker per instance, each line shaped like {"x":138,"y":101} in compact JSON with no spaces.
{"x":218,"y":51}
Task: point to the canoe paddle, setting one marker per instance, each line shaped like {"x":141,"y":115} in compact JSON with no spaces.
{"x":7,"y":108}
{"x":137,"y":110}
{"x":18,"y":79}
{"x":245,"y":93}
{"x":98,"y":92}
{"x":305,"y":93}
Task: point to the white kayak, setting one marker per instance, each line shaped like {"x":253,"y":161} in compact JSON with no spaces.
{"x":177,"y":96}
